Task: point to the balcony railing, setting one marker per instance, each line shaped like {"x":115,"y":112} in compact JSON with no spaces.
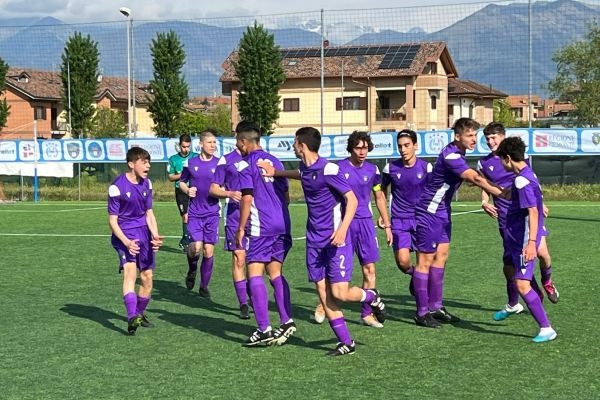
{"x":390,"y":115}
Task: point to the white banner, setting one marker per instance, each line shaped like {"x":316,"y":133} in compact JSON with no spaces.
{"x":49,"y":169}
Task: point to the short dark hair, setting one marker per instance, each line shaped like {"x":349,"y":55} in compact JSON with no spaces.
{"x":245,"y":126}
{"x":494,"y":128}
{"x":464,"y":124}
{"x":356,"y":137}
{"x":185,"y":138}
{"x":309,"y":136}
{"x":137,"y":153}
{"x":512,"y":146}
{"x":407,"y":133}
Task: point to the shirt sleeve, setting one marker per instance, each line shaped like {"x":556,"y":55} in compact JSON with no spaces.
{"x":527,"y":197}
{"x":149,"y":197}
{"x":335,"y":179}
{"x":185,"y":175}
{"x":171,"y":167}
{"x":456,"y":163}
{"x":114,"y":203}
{"x":245,"y":172}
{"x":220,"y":171}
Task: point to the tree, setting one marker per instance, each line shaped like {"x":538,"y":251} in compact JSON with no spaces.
{"x":190,"y":123}
{"x":109,"y":123}
{"x":79,"y":73}
{"x":4,"y":107}
{"x":168,"y":86}
{"x":261,"y":74}
{"x":503,"y":113}
{"x":220,"y":119}
{"x":578,"y":77}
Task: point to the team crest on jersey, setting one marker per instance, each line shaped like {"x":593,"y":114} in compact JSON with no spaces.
{"x":398,"y":175}
{"x":492,"y":168}
{"x":365,"y":178}
{"x":128,"y":194}
{"x":419,"y":175}
{"x":196,"y":168}
{"x":596,"y":138}
{"x":145,"y":194}
{"x":212,"y":170}
{"x":346,"y":175}
{"x":314,"y":176}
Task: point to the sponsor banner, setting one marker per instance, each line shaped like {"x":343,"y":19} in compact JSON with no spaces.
{"x":8,"y":151}
{"x":52,"y":150}
{"x":153,"y":146}
{"x":172,"y":147}
{"x":326,"y":147}
{"x":73,"y":150}
{"x":228,"y":145}
{"x":281,"y":147}
{"x":434,"y":142}
{"x":340,"y":143}
{"x":590,"y":140}
{"x":44,"y":169}
{"x":94,"y":150}
{"x":383,"y":145}
{"x":555,"y":141}
{"x":115,"y":150}
{"x":27,"y":151}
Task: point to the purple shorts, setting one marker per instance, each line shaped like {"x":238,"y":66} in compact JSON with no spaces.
{"x":403,"y":232}
{"x":204,"y":229}
{"x":229,"y":244}
{"x":364,"y":240}
{"x":331,"y":263}
{"x":287,"y":244}
{"x":264,"y":249}
{"x":145,"y":259}
{"x":523,"y":270}
{"x":431,"y":231}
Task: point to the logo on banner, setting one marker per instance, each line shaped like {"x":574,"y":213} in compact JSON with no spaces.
{"x":51,"y":150}
{"x":94,"y":150}
{"x":541,"y":141}
{"x":154,"y":147}
{"x":435,"y":142}
{"x":27,"y":151}
{"x":74,"y":149}
{"x":555,"y":141}
{"x":8,"y":151}
{"x":596,"y":138}
{"x":285,"y":145}
{"x":115,"y":149}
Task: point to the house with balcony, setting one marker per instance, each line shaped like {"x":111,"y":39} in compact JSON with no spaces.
{"x":37,"y":95}
{"x":373,"y":88}
{"x":470,"y":99}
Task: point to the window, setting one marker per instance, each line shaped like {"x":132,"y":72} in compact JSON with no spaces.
{"x":39,"y":112}
{"x":291,"y":104}
{"x":351,"y":103}
{"x":432,"y":68}
{"x":433,"y":102}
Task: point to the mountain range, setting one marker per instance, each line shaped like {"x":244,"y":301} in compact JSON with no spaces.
{"x":490,"y":46}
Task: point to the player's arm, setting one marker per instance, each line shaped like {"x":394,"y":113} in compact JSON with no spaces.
{"x":488,"y":208}
{"x":530,"y":250}
{"x":339,"y":236}
{"x":113,"y":223}
{"x":472,"y":176}
{"x":245,"y":204}
{"x":219,"y":192}
{"x":270,"y":171}
{"x":156,"y":240}
{"x":173,"y":174}
{"x":381,"y":204}
{"x":183,"y":183}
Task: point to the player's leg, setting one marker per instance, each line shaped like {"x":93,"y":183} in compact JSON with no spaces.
{"x":129,"y":297}
{"x":366,"y":247}
{"x":275,"y":249}
{"x":146,"y":263}
{"x":546,"y":271}
{"x":512,"y":306}
{"x":263,"y":333}
{"x":421,"y":287}
{"x":206,"y":269}
{"x":436,"y":285}
{"x":182,"y":201}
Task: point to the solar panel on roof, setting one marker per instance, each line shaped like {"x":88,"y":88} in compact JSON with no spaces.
{"x":399,"y":57}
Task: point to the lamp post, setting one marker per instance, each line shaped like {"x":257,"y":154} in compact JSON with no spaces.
{"x":69,"y":91}
{"x":126,"y":11}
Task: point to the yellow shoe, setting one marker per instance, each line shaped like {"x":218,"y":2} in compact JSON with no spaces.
{"x":370,"y":320}
{"x":320,"y":314}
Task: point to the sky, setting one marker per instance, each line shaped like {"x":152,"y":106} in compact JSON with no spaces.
{"x":83,"y":11}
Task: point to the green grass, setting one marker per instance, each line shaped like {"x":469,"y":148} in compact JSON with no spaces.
{"x":62,"y":321}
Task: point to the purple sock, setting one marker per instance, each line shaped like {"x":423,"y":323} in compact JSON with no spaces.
{"x":206,"y":269}
{"x":546,"y":274}
{"x":192,"y":264}
{"x":536,"y":288}
{"x":421,"y":282}
{"x":279,"y":295}
{"x":436,"y":287}
{"x":341,"y":330}
{"x":241,"y":291}
{"x":130,"y":300}
{"x":287,"y":296}
{"x":365,"y":308}
{"x":536,"y":308}
{"x":260,"y":301}
{"x":512,"y":292}
{"x":142,"y":303}
{"x":369,"y":296}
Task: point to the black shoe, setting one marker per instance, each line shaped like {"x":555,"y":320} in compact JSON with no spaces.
{"x":427,"y":321}
{"x":444,"y":316}
{"x":204,"y":292}
{"x":342,"y":349}
{"x":190,"y":280}
{"x":145,"y":322}
{"x":283,"y":333}
{"x":378,"y":307}
{"x":244,"y":311}
{"x":133,"y":323}
{"x":259,"y":337}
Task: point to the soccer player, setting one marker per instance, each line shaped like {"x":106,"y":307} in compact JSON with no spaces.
{"x":226,"y":184}
{"x":364,"y":178}
{"x":203,"y":214}
{"x":174,"y":168}
{"x":331,"y":207}
{"x":405,"y":178}
{"x":134,"y":234}
{"x":263,"y":220}
{"x":434,"y":226}
{"x":523,"y":230}
{"x":491,"y":168}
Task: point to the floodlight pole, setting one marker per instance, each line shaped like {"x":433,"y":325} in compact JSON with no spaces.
{"x":126,"y":11}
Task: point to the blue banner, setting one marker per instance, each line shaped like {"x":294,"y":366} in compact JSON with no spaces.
{"x":579,"y":141}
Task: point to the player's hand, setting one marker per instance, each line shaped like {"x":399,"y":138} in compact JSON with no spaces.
{"x":235,"y":195}
{"x":530,"y":251}
{"x":133,"y":247}
{"x":192,"y":192}
{"x":156,"y":242}
{"x":389,"y":236}
{"x":239,"y":237}
{"x":338,"y":238}
{"x":506,"y":193}
{"x":545,"y":210}
{"x":267,"y":168}
{"x":490,"y":210}
{"x":380,"y":223}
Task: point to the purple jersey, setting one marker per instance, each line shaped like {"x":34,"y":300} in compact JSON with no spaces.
{"x":227,"y":176}
{"x":406,"y":185}
{"x":361,"y":179}
{"x":266,"y":212}
{"x":130,"y":201}
{"x":443,"y":181}
{"x":491,"y":168}
{"x":525,"y":193}
{"x":199,"y":173}
{"x":324,"y":187}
